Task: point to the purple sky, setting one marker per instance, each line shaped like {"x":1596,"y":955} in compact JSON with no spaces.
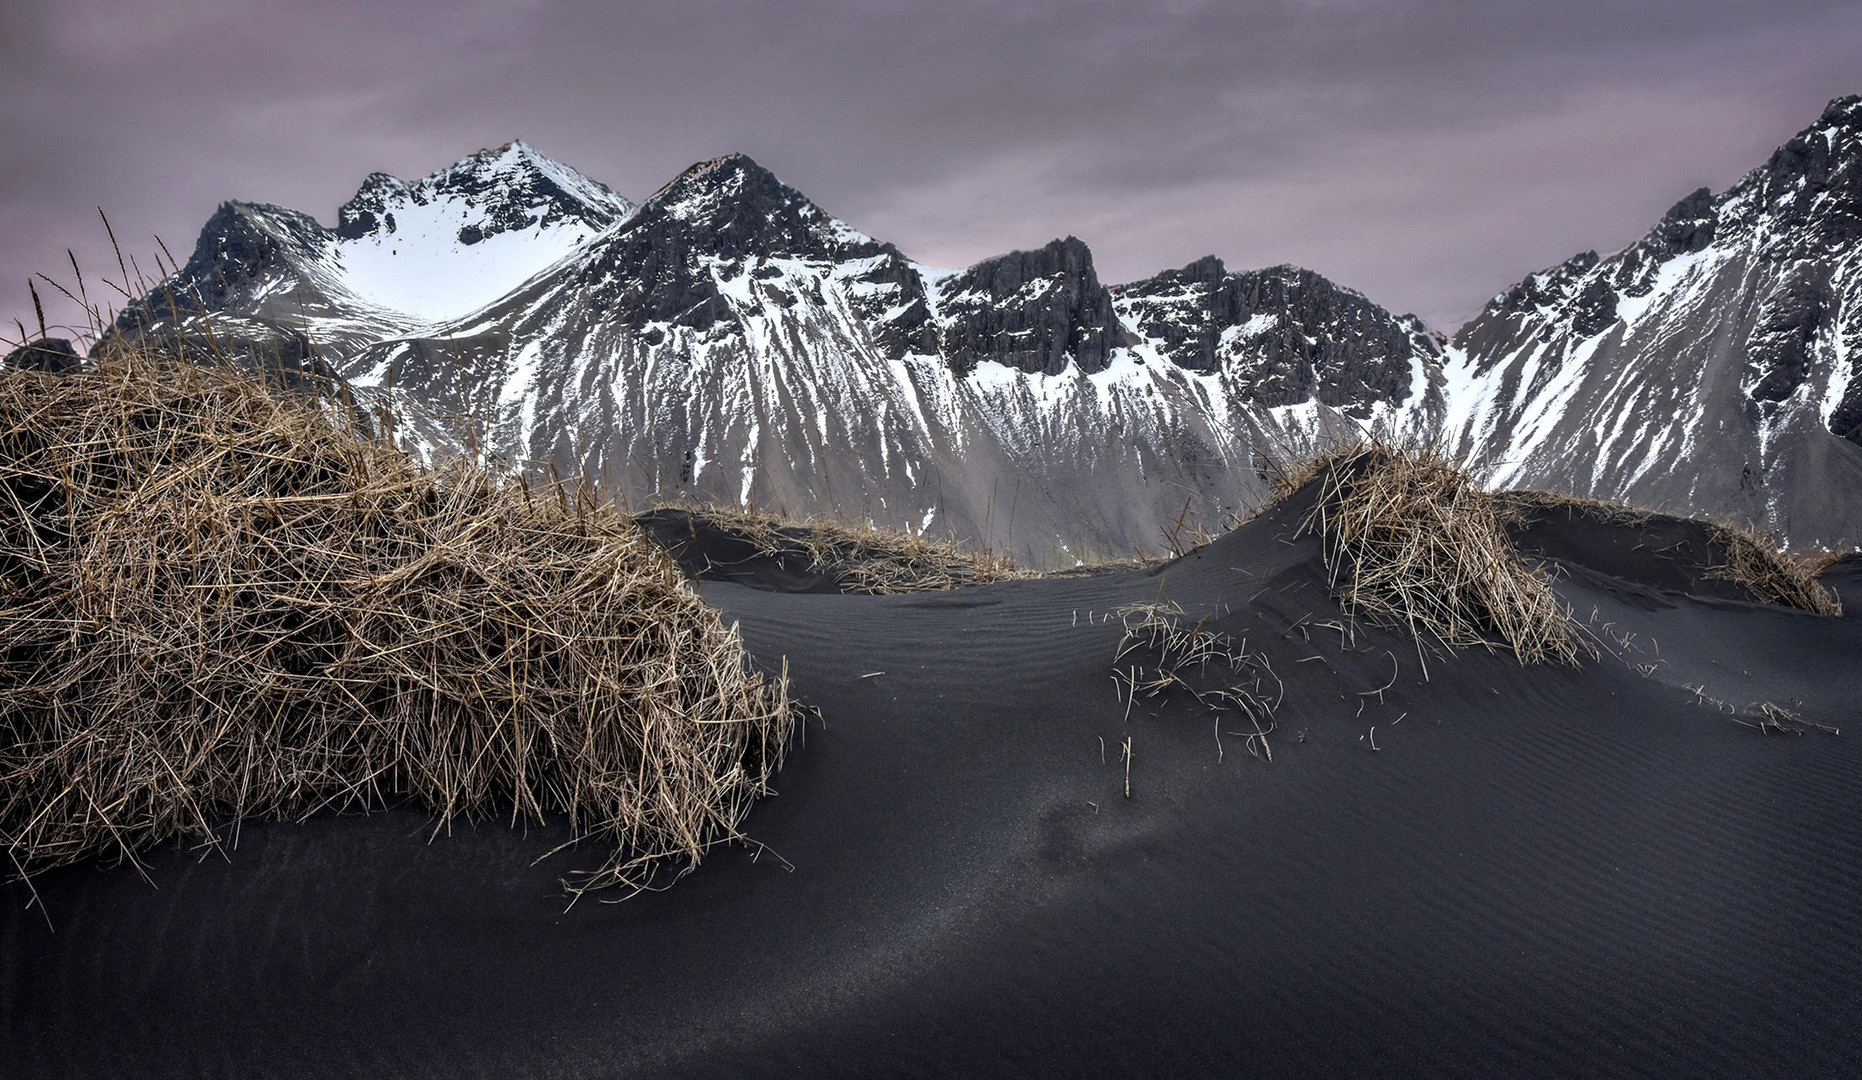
{"x":1426,"y":153}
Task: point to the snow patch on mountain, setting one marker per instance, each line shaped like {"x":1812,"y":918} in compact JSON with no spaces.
{"x":454,"y":242}
{"x":423,"y":270}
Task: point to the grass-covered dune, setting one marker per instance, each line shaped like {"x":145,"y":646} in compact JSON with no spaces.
{"x":222,"y":600}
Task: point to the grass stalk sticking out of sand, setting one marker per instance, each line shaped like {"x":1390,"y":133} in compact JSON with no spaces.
{"x":1178,"y":652}
{"x":217,"y":601}
{"x":1409,"y":534}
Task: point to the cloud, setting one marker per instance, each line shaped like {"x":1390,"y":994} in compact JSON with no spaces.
{"x":1428,"y":153}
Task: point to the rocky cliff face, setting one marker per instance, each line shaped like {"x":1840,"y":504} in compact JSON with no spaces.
{"x":1032,"y":311}
{"x":1295,"y":335}
{"x":1709,"y":368}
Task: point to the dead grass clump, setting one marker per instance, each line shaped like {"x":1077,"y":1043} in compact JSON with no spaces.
{"x":1410,"y":534}
{"x":1751,"y":559}
{"x":1754,"y":561}
{"x":217,"y":603}
{"x":1814,"y":562}
{"x":863,"y":560}
{"x":1604,"y":511}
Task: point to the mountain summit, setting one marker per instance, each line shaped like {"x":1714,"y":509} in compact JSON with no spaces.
{"x":447,"y":245}
{"x":513,"y":188}
{"x":402,"y":255}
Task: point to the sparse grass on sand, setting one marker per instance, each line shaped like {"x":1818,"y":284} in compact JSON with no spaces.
{"x":217,"y":601}
{"x":1156,"y":631}
{"x":862,"y":559}
{"x":1750,"y":558}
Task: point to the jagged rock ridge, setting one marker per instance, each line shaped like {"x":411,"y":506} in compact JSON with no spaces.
{"x":728,"y":339}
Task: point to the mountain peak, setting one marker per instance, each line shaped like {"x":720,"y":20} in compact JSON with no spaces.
{"x":731,"y":178}
{"x":511,"y":187}
{"x":1843,"y":110}
{"x":724,"y":166}
{"x":1034,"y":311}
{"x":518,"y":162}
{"x":736,"y":207}
{"x":459,"y":238}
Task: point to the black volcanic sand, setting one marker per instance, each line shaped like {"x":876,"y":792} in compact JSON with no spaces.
{"x":1658,"y":550}
{"x":1844,"y":576}
{"x":1537,"y":872}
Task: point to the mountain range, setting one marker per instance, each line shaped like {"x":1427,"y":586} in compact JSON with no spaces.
{"x":727,"y":339}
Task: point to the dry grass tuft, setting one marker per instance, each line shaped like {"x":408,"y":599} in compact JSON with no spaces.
{"x":1752,"y":560}
{"x":218,"y":602}
{"x":1410,"y":534}
{"x":1755,"y":561}
{"x":862,"y":560}
{"x":1604,"y":511}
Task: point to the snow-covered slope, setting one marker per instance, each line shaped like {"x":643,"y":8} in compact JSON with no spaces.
{"x":455,"y":241}
{"x":1710,"y":368}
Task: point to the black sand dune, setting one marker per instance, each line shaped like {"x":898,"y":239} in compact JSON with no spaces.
{"x":1844,"y":577}
{"x":1622,"y":870}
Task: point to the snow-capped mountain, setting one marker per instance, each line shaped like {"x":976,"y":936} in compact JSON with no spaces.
{"x":728,"y":339}
{"x":1710,"y":368}
{"x":455,"y":241}
{"x":402,"y":257}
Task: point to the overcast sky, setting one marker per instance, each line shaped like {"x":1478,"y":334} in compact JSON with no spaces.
{"x":1426,"y":153}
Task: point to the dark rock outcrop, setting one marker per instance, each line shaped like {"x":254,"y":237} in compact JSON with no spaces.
{"x":1779,"y":357}
{"x":1033,"y":311}
{"x":1186,"y":311}
{"x":368,"y":211}
{"x":1593,"y":309}
{"x":235,"y":256}
{"x":1290,"y":333}
{"x":718,"y":221}
{"x":1846,"y":418}
{"x":54,"y":356}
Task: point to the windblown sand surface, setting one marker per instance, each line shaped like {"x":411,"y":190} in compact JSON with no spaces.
{"x":1623,"y":869}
